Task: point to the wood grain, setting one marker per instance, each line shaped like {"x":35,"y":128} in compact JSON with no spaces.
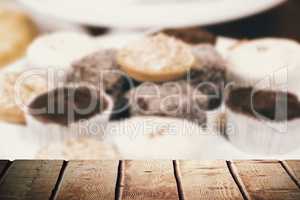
{"x":207,"y":180}
{"x":89,"y":180}
{"x":148,"y":180}
{"x":3,"y":164}
{"x":266,"y":180}
{"x":293,"y":167}
{"x":30,"y":180}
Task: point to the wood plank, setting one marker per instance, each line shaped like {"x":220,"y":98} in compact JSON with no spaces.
{"x":207,"y":180}
{"x":266,"y":180}
{"x":293,"y":167}
{"x":89,"y":180}
{"x":148,"y":180}
{"x":3,"y":164}
{"x":30,"y":180}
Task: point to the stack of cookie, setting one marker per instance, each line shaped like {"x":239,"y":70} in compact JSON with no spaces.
{"x":171,"y":73}
{"x":156,"y":75}
{"x":182,"y":76}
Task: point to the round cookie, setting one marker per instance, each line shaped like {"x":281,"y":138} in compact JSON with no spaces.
{"x":255,"y":61}
{"x":99,"y":69}
{"x":11,"y":96}
{"x":208,"y":74}
{"x":171,"y":99}
{"x":206,"y":56}
{"x":59,"y":50}
{"x":156,"y":58}
{"x":17,"y":31}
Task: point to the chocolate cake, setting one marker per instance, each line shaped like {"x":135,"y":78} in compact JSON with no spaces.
{"x":101,"y":70}
{"x":68,"y":105}
{"x":192,"y":35}
{"x":265,"y":103}
{"x":171,"y":99}
{"x":208,"y":74}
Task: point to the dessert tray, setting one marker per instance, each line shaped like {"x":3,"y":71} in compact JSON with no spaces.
{"x":134,"y":138}
{"x":123,"y":13}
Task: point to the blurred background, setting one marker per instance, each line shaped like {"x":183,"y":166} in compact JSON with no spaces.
{"x":240,"y":19}
{"x":267,"y":18}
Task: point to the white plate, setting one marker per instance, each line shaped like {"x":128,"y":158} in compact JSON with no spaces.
{"x":150,"y":13}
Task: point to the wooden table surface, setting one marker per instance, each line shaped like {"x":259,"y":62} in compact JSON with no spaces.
{"x":150,"y":180}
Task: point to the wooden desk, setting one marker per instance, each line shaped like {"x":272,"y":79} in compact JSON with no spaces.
{"x":150,"y":180}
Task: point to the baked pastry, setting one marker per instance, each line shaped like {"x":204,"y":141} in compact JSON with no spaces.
{"x":263,"y":122}
{"x":16,"y":90}
{"x":17,"y":31}
{"x":265,"y":63}
{"x":69,"y":112}
{"x":59,"y":50}
{"x":156,"y":58}
{"x":190,"y":35}
{"x":208,"y":74}
{"x":206,"y":56}
{"x":172,"y":99}
{"x":101,"y":70}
